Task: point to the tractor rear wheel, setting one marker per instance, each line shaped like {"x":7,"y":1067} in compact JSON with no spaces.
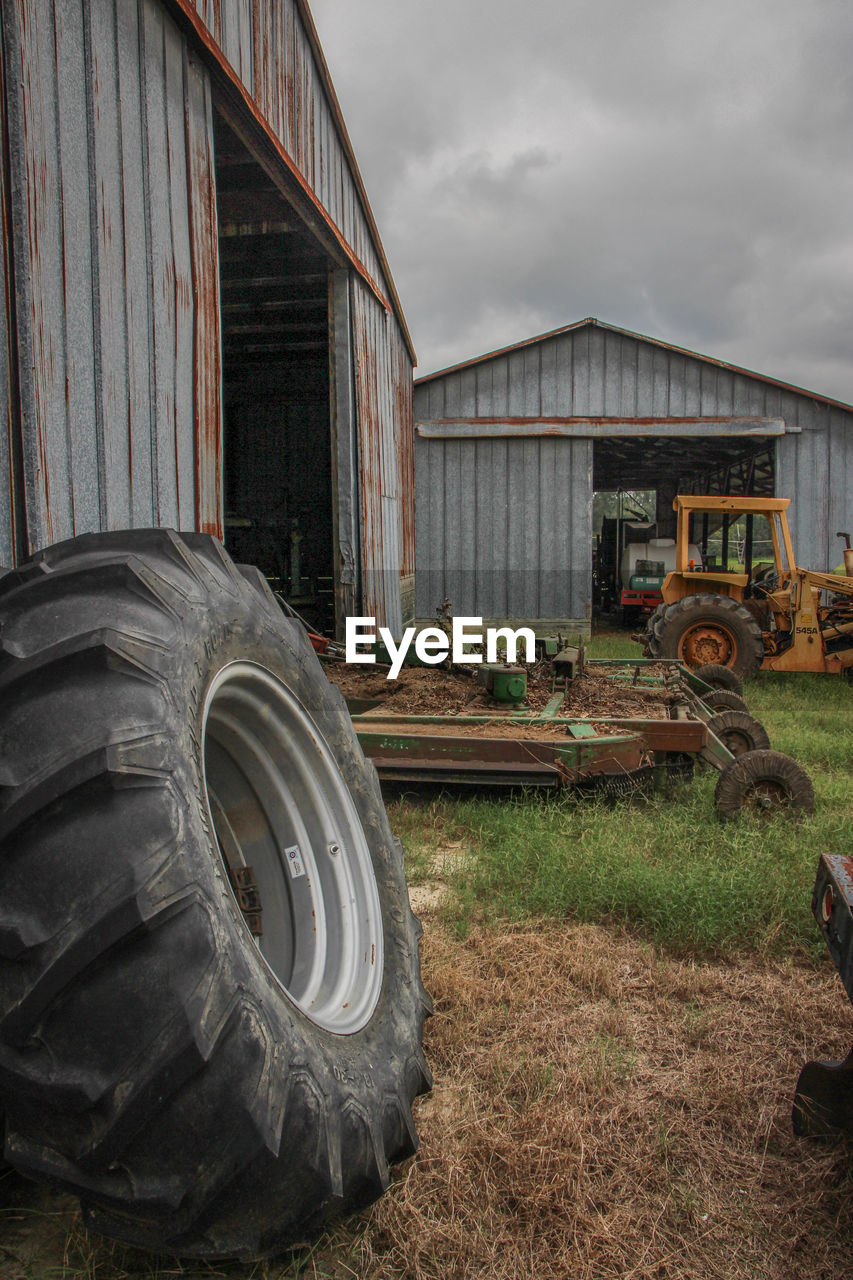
{"x":763,"y":783}
{"x":702,"y":629}
{"x":739,"y":731}
{"x":210,"y":1000}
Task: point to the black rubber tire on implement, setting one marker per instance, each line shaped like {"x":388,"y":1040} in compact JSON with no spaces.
{"x":719,"y":677}
{"x":648,"y":633}
{"x":763,"y":783}
{"x":740,"y":731}
{"x":699,"y":623}
{"x":724,"y":700}
{"x":202,"y":1094}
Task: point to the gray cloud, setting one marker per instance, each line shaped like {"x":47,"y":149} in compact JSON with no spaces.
{"x":679,"y":167}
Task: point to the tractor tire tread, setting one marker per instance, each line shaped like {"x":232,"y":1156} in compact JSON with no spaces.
{"x":128,"y":937}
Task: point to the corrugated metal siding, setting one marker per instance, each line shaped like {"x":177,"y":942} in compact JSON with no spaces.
{"x":376,"y":402}
{"x":115,"y":263}
{"x":502,"y":527}
{"x":9,"y":479}
{"x":115,"y":268}
{"x":593,"y":370}
{"x":404,"y":442}
{"x":268,"y":46}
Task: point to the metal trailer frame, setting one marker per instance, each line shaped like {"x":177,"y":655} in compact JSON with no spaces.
{"x":435,"y":748}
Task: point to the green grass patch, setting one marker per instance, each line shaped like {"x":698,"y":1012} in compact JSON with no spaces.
{"x":663,"y":865}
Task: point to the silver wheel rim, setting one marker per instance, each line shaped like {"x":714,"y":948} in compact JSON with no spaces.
{"x":278,"y":804}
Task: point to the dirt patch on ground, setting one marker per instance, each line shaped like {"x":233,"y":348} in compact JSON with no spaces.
{"x":437,"y":691}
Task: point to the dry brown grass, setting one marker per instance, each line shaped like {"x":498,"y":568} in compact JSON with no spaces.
{"x":600,"y":1110}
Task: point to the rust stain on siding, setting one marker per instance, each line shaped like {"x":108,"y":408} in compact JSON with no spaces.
{"x":207,"y":373}
{"x":293,"y":157}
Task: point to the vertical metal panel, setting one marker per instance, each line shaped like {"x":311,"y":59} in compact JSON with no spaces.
{"x":115,"y":269}
{"x":30,"y":47}
{"x":380,"y":504}
{"x":164,"y":269}
{"x":206,"y":350}
{"x":344,"y":452}
{"x":138,"y":418}
{"x":102,"y":120}
{"x":502,"y":525}
{"x":404,"y":428}
{"x":839,"y":444}
{"x":11,"y":486}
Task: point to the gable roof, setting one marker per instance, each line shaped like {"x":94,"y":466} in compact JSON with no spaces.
{"x":640,"y":337}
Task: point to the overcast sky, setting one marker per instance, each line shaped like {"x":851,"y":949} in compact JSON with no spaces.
{"x":682,"y":168}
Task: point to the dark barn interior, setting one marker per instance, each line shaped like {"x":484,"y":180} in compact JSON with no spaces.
{"x":663,"y":466}
{"x":274,"y":284}
{"x":685,"y":464}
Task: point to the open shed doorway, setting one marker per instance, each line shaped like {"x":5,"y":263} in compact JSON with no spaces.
{"x":278,"y":481}
{"x":635,"y":480}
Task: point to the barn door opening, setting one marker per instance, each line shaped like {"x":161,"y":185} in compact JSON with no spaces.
{"x":277,"y":450}
{"x":636,"y":479}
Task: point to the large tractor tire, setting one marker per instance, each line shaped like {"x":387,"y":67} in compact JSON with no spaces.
{"x":210,"y":1000}
{"x":763,"y":783}
{"x":702,"y":629}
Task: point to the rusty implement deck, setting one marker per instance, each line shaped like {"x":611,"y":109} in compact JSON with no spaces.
{"x":549,"y":750}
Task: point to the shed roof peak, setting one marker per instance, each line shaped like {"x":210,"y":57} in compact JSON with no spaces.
{"x":592,"y":321}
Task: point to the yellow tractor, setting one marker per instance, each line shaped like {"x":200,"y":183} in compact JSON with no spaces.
{"x":771,"y":616}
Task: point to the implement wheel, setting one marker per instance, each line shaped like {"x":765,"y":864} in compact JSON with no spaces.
{"x":648,"y":634}
{"x":724,"y":700}
{"x":740,"y":731}
{"x":702,"y":629}
{"x":719,"y":677}
{"x":210,"y":1001}
{"x":763,"y":783}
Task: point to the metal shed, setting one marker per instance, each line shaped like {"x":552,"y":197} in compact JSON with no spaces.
{"x":199,"y":328}
{"x":510,"y":448}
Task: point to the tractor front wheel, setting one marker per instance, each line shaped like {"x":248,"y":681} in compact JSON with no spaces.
{"x":702,"y":629}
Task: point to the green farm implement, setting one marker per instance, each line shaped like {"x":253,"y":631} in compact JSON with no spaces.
{"x":505,"y":745}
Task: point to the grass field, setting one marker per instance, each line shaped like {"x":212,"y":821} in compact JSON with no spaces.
{"x":663,"y":865}
{"x":624,"y":995}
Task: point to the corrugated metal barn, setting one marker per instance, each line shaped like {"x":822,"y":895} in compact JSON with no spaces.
{"x":200,"y":329}
{"x":511,"y":447}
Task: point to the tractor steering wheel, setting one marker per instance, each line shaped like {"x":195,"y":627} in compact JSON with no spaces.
{"x":767,"y":585}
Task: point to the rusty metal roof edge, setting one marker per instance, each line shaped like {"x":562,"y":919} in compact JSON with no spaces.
{"x":641,"y":337}
{"x":188,"y":19}
{"x":325,"y":75}
{"x":601,"y":426}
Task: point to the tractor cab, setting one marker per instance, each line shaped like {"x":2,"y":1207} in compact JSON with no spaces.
{"x":751,"y":533}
